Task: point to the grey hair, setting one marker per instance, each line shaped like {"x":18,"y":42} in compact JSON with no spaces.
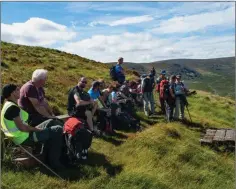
{"x":39,"y":74}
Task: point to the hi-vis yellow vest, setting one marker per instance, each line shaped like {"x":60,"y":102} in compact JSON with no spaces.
{"x":9,"y":127}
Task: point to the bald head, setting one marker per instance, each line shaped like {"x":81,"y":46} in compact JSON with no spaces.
{"x":120,"y":60}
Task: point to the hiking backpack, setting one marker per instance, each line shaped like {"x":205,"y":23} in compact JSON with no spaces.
{"x":148,"y":85}
{"x":113,"y":73}
{"x":124,"y":121}
{"x":164,"y":89}
{"x":78,"y":139}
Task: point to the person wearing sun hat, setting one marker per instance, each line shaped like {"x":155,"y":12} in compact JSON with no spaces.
{"x":15,"y":127}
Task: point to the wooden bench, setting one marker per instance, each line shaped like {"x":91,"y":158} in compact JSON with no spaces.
{"x":216,"y":137}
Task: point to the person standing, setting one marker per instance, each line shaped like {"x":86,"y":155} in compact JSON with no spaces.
{"x":158,"y":82}
{"x":148,"y":99}
{"x":170,"y":100}
{"x":120,"y":74}
{"x":181,"y":101}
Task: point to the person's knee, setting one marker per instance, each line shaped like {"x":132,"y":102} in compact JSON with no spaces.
{"x":88,"y":114}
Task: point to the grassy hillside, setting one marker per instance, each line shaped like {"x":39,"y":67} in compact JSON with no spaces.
{"x":212,"y":75}
{"x":167,"y":156}
{"x":18,"y":63}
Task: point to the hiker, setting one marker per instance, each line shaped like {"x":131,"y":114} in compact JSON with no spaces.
{"x":81,"y":105}
{"x":158,"y":81}
{"x":15,"y":127}
{"x":170,"y":99}
{"x":32,"y":98}
{"x":148,"y":99}
{"x":101,"y":86}
{"x":120,"y":71}
{"x":125,"y":99}
{"x":95,"y":94}
{"x":153,"y":72}
{"x":102,"y":112}
{"x":180,"y":96}
{"x":106,"y":92}
{"x":133,"y":92}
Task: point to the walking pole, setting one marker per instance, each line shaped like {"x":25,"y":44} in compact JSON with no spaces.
{"x":40,"y":162}
{"x":189,"y":114}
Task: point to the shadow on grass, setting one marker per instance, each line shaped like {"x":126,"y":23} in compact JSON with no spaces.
{"x":84,"y":169}
{"x":112,"y":140}
{"x":194,"y":125}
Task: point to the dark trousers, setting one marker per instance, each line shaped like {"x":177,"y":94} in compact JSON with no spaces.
{"x":162,"y":102}
{"x":170,"y":105}
{"x":51,"y":136}
{"x":121,"y":80}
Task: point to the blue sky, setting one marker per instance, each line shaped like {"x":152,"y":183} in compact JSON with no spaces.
{"x":137,"y":31}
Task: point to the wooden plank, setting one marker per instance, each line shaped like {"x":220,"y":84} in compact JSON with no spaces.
{"x":206,"y":139}
{"x":230,"y":135}
{"x":219,"y":135}
{"x":210,"y":132}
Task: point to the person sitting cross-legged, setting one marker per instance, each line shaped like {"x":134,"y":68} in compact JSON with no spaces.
{"x":15,"y":127}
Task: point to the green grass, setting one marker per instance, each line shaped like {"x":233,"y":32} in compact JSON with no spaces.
{"x":162,"y":156}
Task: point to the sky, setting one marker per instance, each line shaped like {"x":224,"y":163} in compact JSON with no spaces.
{"x":137,"y":31}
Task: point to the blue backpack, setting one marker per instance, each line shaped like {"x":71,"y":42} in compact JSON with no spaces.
{"x":113,"y":73}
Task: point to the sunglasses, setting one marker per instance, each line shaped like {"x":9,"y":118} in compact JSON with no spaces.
{"x":85,"y":82}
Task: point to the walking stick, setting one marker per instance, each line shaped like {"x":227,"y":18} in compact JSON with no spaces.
{"x":189,"y":114}
{"x":40,"y":161}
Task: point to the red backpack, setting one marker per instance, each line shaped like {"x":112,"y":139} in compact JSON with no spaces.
{"x":72,"y":125}
{"x":164,"y":89}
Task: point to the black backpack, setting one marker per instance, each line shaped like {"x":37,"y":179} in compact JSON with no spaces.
{"x":78,"y":144}
{"x":113,"y":73}
{"x":148,"y":85}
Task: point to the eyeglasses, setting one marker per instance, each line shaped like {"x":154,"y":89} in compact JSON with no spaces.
{"x":85,"y":82}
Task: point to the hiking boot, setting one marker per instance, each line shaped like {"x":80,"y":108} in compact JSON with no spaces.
{"x":96,"y":132}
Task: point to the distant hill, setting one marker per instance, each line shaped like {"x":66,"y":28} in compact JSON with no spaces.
{"x":213,"y":75}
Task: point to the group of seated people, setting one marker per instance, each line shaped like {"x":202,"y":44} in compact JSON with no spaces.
{"x":27,"y":118}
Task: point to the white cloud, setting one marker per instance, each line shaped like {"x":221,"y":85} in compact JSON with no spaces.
{"x":197,"y":22}
{"x":36,"y":31}
{"x":143,"y":47}
{"x":124,"y":21}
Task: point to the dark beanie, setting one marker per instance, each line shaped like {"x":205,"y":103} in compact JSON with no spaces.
{"x":7,"y":90}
